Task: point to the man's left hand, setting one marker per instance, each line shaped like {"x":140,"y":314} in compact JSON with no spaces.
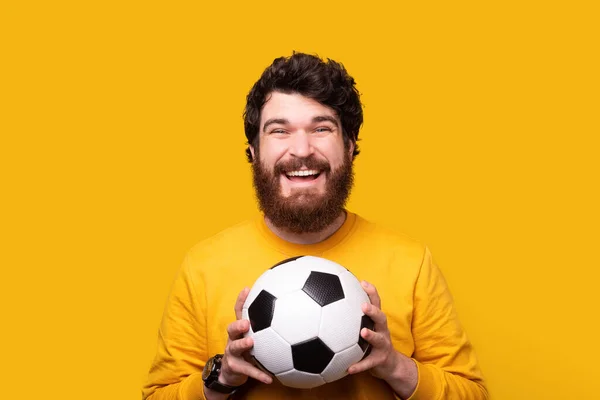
{"x":384,"y":362}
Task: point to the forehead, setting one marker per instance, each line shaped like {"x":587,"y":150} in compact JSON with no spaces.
{"x":294,"y":107}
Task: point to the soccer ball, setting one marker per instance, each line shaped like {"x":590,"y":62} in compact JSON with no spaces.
{"x":305,"y":319}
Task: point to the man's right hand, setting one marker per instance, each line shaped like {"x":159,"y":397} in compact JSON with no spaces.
{"x":236,"y":367}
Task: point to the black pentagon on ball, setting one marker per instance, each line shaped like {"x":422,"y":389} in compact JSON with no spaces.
{"x":287,"y":260}
{"x":365,"y":322}
{"x":260,"y":312}
{"x":323,"y":288}
{"x":311,"y":356}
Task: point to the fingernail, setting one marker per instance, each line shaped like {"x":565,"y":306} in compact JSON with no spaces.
{"x":366,"y":307}
{"x":365,"y":284}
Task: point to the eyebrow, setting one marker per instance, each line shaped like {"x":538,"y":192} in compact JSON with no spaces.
{"x":318,"y":118}
{"x":271,"y":121}
{"x":324,"y":118}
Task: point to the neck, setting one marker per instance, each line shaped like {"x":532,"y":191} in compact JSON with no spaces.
{"x":309,"y":237}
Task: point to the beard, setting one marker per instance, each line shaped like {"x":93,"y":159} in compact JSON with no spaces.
{"x":304,"y":210}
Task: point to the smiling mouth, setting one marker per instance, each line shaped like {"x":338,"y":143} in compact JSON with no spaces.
{"x":303,"y":175}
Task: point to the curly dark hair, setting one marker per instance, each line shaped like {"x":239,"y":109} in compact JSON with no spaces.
{"x":327,"y":82}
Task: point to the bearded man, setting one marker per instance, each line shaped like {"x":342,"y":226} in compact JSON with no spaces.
{"x":302,"y":121}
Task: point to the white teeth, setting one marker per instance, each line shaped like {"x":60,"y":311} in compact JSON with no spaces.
{"x":302,"y":173}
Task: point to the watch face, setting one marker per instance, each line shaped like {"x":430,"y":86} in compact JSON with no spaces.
{"x":207,"y":368}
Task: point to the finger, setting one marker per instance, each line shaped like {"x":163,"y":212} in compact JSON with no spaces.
{"x":376,"y":339}
{"x":238,"y":347}
{"x":237,"y":328}
{"x":376,"y":315}
{"x":239,"y":304}
{"x":372,"y":293}
{"x":363,"y":365}
{"x":241,"y":367}
{"x":255,"y":373}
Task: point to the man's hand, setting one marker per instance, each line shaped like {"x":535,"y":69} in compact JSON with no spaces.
{"x":384,"y":362}
{"x":235,"y":365}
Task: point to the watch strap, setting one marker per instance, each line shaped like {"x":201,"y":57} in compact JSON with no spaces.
{"x":221,"y":388}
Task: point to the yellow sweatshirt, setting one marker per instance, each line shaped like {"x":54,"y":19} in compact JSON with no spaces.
{"x":420,"y":311}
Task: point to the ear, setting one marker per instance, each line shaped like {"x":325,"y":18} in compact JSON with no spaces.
{"x":351,"y":147}
{"x":251,"y":151}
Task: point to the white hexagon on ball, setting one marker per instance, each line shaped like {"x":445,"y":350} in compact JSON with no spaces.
{"x":267,"y":342}
{"x":338,"y":367}
{"x":340,"y":325}
{"x":285,"y":279}
{"x":295,"y":311}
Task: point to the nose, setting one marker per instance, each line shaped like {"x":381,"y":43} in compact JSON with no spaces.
{"x":300,"y":145}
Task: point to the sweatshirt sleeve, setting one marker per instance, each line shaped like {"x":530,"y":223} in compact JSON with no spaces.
{"x":176,"y":372}
{"x":446,"y":362}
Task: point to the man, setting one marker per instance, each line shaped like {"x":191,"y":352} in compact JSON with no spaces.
{"x":302,"y":121}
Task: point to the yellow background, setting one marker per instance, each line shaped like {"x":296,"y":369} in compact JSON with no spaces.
{"x":122,"y":146}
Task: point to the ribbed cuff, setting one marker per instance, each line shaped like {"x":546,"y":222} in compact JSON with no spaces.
{"x":192,"y":387}
{"x":426,"y":385}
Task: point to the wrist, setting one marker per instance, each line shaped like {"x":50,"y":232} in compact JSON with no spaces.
{"x":403,"y":377}
{"x":394,"y":367}
{"x":214,"y":380}
{"x":402,"y":366}
{"x":222,"y":379}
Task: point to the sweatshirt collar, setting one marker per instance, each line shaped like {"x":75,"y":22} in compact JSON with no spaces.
{"x":293,"y":249}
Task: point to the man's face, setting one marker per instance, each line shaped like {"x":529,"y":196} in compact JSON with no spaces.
{"x":302,"y":170}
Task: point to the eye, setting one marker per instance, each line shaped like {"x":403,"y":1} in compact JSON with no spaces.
{"x":323,"y":129}
{"x":278,"y":131}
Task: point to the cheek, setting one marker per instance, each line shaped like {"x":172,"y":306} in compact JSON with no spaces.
{"x":336,"y":157}
{"x":271,"y":152}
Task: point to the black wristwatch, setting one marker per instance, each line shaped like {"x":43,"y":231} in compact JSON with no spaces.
{"x":210,"y":376}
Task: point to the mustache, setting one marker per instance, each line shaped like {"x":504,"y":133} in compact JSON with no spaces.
{"x":298,"y":163}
